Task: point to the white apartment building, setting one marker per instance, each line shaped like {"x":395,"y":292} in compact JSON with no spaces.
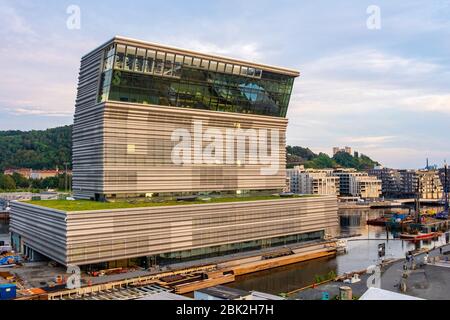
{"x":366,"y":187}
{"x":312,"y":181}
{"x":358,"y":184}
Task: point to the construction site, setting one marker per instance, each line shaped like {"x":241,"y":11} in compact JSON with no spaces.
{"x":50,"y":281}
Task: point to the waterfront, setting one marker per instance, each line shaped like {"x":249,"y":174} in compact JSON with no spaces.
{"x":362,"y":253}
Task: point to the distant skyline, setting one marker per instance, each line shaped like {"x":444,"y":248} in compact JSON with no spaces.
{"x":384,"y":92}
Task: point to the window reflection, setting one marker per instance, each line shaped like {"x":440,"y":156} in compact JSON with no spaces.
{"x":196,"y":63}
{"x":178,"y":65}
{"x":150,"y":61}
{"x":168,"y":64}
{"x":188,"y":61}
{"x":129,"y":59}
{"x":140,"y":57}
{"x":213,"y":66}
{"x":205,"y":64}
{"x":159,"y":62}
{"x":157,"y":77}
{"x":221,"y":67}
{"x":229,"y":68}
{"x":120,"y":57}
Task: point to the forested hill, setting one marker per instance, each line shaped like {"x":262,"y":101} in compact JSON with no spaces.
{"x":52,"y":147}
{"x":304,"y":156}
{"x":36,"y":149}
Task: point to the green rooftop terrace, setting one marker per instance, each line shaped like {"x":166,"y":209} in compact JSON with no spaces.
{"x":87,"y":205}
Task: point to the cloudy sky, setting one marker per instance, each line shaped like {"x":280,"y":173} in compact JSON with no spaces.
{"x":385,"y":92}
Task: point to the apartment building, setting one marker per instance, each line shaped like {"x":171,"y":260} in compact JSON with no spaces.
{"x":430,"y":186}
{"x":313,"y":181}
{"x":358,"y":184}
{"x":391,"y":181}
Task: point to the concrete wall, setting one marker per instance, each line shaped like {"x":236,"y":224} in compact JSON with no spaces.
{"x":108,"y":235}
{"x":41,"y":229}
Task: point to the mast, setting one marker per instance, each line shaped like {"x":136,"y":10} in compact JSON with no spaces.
{"x":418,"y":200}
{"x":446,"y":204}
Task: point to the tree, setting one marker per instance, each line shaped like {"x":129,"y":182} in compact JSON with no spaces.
{"x":20,"y":181}
{"x":322,"y":161}
{"x":46,"y":149}
{"x":7,"y":183}
{"x":346,"y":160}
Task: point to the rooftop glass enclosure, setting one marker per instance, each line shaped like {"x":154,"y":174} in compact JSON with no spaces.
{"x":138,"y":75}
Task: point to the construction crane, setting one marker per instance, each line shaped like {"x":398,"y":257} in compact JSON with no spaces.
{"x":444,"y":214}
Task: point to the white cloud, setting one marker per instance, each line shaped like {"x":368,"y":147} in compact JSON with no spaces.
{"x":429,"y":103}
{"x":37,"y":111}
{"x":237,"y":50}
{"x":371,"y":61}
{"x":367,"y":81}
{"x":371,"y":139}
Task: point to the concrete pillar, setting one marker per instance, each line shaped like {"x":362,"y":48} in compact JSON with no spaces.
{"x":346,"y":293}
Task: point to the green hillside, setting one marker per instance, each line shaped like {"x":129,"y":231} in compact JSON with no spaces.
{"x":35,"y":149}
{"x":304,"y":156}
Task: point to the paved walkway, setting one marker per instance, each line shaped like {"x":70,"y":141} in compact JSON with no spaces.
{"x":428,"y":281}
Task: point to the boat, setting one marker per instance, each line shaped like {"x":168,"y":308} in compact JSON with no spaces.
{"x":398,"y":225}
{"x":381,"y":222}
{"x":420,"y":236}
{"x":443,"y":215}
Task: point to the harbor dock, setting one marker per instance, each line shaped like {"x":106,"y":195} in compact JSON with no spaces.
{"x":190,"y":279}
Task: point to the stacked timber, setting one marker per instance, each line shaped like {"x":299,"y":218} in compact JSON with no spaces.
{"x":213,"y":280}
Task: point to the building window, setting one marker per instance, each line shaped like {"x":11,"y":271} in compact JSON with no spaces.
{"x":130,"y":58}
{"x":205,"y":64}
{"x":213,"y":66}
{"x":120,"y":57}
{"x":140,"y":57}
{"x":168,"y":64}
{"x":221,"y":67}
{"x":160,"y":57}
{"x":187,"y":61}
{"x":186,"y":81}
{"x":150,"y":61}
{"x":196,"y":62}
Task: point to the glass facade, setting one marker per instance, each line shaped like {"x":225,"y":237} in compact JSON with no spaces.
{"x":210,"y":252}
{"x":233,"y":248}
{"x":145,"y":76}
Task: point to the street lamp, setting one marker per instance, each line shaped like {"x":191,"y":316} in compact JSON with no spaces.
{"x":66,"y":178}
